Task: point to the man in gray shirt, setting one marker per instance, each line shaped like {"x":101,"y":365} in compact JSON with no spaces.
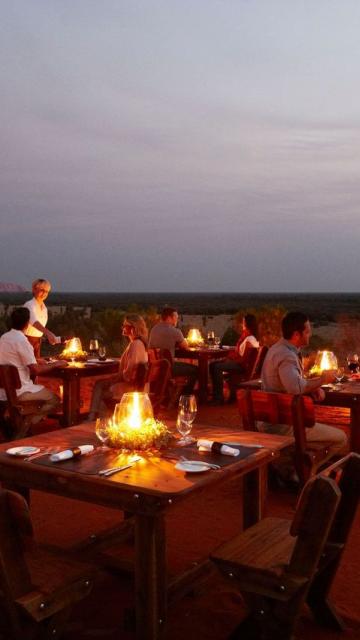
{"x":165,"y":335}
{"x":283,"y":372}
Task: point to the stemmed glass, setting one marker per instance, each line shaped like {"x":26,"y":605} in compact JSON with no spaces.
{"x":101,"y":430}
{"x":217,"y":341}
{"x":339,"y":376}
{"x":210,"y":338}
{"x":186,"y":416}
{"x":102,"y":352}
{"x":353,"y":362}
{"x":94,"y":346}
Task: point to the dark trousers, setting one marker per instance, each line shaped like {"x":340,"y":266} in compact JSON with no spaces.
{"x":217,"y":368}
{"x":190,"y":371}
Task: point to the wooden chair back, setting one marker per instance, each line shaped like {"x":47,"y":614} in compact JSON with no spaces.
{"x":16,"y":410}
{"x":158,"y":377}
{"x":274,"y":562}
{"x":140,"y":376}
{"x":346,"y":473}
{"x":296,"y":411}
{"x":256,"y":372}
{"x":29,"y":607}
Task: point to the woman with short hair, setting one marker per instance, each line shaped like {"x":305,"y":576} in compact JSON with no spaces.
{"x":39,"y":316}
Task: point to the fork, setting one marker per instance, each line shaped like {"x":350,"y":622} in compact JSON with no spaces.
{"x":40,"y":454}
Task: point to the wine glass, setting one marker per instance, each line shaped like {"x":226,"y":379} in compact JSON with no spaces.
{"x":339,"y":376}
{"x":102,"y":352}
{"x":217,"y":341}
{"x":353,"y":362}
{"x":186,"y":416}
{"x":210,"y":338}
{"x":93,"y":346}
{"x":101,"y":430}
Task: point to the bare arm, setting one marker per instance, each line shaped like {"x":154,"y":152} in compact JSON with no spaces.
{"x":43,"y":369}
{"x":49,"y":334}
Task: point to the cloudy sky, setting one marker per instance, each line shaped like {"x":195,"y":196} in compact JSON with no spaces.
{"x":180,"y":145}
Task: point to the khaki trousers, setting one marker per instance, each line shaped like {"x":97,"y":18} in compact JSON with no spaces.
{"x":51,"y":403}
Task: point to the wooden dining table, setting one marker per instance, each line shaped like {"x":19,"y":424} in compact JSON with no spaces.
{"x":71,"y":376}
{"x":147,"y":491}
{"x":203,"y":355}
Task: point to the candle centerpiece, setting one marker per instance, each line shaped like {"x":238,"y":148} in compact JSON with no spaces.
{"x":73,"y":351}
{"x":324,"y":361}
{"x":133,"y":426}
{"x":195,"y":338}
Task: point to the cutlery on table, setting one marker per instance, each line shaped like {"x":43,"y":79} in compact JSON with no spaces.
{"x":39,"y":454}
{"x":108,"y":472}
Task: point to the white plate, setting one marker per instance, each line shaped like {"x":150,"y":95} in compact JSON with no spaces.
{"x":97,"y":361}
{"x":22,"y":451}
{"x":192,"y":467}
{"x":227,"y":347}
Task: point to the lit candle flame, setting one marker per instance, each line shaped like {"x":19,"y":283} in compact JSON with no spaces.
{"x":195,"y":337}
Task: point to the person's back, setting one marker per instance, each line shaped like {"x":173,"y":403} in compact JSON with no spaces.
{"x":282,"y":369}
{"x":165,"y":336}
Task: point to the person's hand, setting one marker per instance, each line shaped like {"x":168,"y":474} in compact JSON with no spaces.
{"x":51,"y":337}
{"x":318,"y":394}
{"x":327,"y":377}
{"x":60,"y":363}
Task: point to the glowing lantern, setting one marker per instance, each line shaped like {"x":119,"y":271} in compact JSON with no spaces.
{"x":73,"y":350}
{"x":194,"y":337}
{"x":133,"y":426}
{"x":324,"y":361}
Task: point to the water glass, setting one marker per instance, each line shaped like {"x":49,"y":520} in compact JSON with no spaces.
{"x":186,"y":416}
{"x":101,"y":430}
{"x":339,"y":376}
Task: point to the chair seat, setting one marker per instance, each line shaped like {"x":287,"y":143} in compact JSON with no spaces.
{"x":57,"y":578}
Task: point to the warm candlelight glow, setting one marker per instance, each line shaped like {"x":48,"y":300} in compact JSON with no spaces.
{"x":194,"y":337}
{"x":325,"y":361}
{"x":133,"y":425}
{"x":73,"y":350}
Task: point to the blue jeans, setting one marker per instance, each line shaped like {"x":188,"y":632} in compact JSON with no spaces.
{"x":217,"y":368}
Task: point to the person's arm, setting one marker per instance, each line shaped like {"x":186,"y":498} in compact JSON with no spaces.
{"x":42,"y":369}
{"x":181,"y":342}
{"x":136,"y":355}
{"x":292,"y":378}
{"x":46,"y":332}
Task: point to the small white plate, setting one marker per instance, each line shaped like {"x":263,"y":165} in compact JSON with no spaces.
{"x":227,"y":347}
{"x":192,"y":467}
{"x":92,"y":361}
{"x":22,"y":451}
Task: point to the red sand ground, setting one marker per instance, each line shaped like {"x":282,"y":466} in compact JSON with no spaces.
{"x":194,"y":529}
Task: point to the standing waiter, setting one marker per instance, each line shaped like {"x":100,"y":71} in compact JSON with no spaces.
{"x":39,"y":316}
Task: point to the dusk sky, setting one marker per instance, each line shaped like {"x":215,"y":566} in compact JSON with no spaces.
{"x":180,"y":145}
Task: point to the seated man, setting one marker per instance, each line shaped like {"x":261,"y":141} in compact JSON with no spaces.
{"x":165,"y":335}
{"x":15,"y":349}
{"x":283,"y":372}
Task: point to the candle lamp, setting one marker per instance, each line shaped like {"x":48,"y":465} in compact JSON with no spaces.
{"x":73,"y":351}
{"x":324,"y":361}
{"x":133,"y":426}
{"x":195,"y":338}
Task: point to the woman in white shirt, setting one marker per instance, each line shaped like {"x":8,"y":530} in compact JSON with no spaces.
{"x":39,"y":316}
{"x":237,"y":359}
{"x":135,"y":329}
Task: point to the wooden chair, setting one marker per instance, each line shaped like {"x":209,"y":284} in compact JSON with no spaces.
{"x":157,"y":379}
{"x":255,"y":360}
{"x":283,"y":408}
{"x":175,"y":384}
{"x":346,"y":472}
{"x":274,"y":562}
{"x":14,"y":413}
{"x":37,"y":587}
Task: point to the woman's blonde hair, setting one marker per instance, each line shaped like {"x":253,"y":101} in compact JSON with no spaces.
{"x":36,"y":283}
{"x":139,"y":325}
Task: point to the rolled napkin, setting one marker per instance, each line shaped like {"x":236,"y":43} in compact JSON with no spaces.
{"x":72,"y":453}
{"x":217,"y":447}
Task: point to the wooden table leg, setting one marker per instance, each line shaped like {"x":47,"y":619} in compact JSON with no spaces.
{"x":71,"y":401}
{"x":254,"y":493}
{"x":150,"y":576}
{"x":355,"y":427}
{"x":203,"y":377}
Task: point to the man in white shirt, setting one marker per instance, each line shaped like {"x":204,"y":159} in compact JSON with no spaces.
{"x":15,"y":349}
{"x":39,"y":316}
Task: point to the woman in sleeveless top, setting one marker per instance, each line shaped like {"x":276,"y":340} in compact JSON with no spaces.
{"x":134,"y":328}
